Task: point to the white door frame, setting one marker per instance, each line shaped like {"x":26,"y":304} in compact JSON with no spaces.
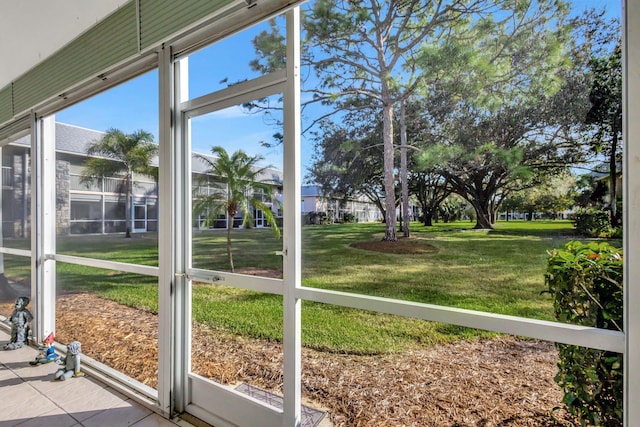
{"x":135,"y":219}
{"x":212,"y":402}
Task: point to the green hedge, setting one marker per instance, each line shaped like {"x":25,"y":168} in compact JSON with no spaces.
{"x":586,"y":283}
{"x":593,"y":222}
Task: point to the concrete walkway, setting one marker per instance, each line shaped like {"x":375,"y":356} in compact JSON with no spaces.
{"x":29,"y":396}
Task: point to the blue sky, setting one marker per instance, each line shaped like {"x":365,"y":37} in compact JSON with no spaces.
{"x":134,"y":105}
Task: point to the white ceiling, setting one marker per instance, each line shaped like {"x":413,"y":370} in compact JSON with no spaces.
{"x":32,"y":30}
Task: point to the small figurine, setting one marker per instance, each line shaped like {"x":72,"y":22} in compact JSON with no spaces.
{"x":47,"y":354}
{"x":19,"y":320}
{"x":71,"y":363}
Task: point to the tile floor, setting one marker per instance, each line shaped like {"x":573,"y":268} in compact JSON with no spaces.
{"x":29,"y":396}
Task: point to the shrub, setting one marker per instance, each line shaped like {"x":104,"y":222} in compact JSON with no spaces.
{"x":349,"y":218}
{"x":616,"y":233}
{"x":585,"y":281}
{"x":318,"y":217}
{"x":593,"y":222}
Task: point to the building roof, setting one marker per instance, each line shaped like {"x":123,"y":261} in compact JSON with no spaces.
{"x":71,"y":139}
{"x":601,"y":171}
{"x":75,"y":139}
{"x":311,"y":191}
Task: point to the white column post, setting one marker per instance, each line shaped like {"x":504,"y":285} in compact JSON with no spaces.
{"x":132,"y":203}
{"x":165,"y":242}
{"x":43,"y":224}
{"x":292,"y":262}
{"x":182,"y":234}
{"x":174,"y":220}
{"x":631,"y":200}
{"x":104,"y":203}
{"x":1,"y":222}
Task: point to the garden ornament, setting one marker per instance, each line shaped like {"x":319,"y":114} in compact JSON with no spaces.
{"x":47,"y":354}
{"x":19,"y":321}
{"x":71,"y":363}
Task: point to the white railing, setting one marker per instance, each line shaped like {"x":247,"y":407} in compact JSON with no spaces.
{"x":531,"y":328}
{"x":75,"y":184}
{"x":7,"y":176}
{"x":113,"y":185}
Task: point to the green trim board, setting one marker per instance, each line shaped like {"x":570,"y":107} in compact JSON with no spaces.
{"x":107,"y":43}
{"x":18,"y":125}
{"x":134,"y":28}
{"x":6,"y":104}
{"x":137,"y":24}
{"x":161,"y":18}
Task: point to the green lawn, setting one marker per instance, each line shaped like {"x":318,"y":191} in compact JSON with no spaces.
{"x":500,"y":271}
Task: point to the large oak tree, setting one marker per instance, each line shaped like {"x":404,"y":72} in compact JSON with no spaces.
{"x":363,"y":54}
{"x":488,"y":57}
{"x":509,"y":117}
{"x":348,"y":161}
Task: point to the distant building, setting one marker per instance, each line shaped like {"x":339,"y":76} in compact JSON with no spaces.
{"x":601,"y":173}
{"x":97,"y":208}
{"x":313,"y":200}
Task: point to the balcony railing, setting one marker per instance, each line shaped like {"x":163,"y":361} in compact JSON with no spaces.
{"x":75,"y":184}
{"x":145,"y":187}
{"x":7,"y":176}
{"x":112,"y":185}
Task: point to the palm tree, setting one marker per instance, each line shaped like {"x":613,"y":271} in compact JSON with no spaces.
{"x":120,"y":154}
{"x":242,"y":190}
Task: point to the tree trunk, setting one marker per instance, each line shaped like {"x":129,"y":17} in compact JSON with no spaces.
{"x":403,"y":172}
{"x":483,"y":214}
{"x":389,"y":182}
{"x":230,"y":220}
{"x":127,"y":204}
{"x":494,"y":210}
{"x":25,"y":196}
{"x":6,"y":293}
{"x":612,"y":179}
{"x":427,"y":213}
{"x":428,"y":218}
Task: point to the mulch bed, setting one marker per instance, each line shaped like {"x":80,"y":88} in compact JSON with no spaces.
{"x":502,"y":381}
